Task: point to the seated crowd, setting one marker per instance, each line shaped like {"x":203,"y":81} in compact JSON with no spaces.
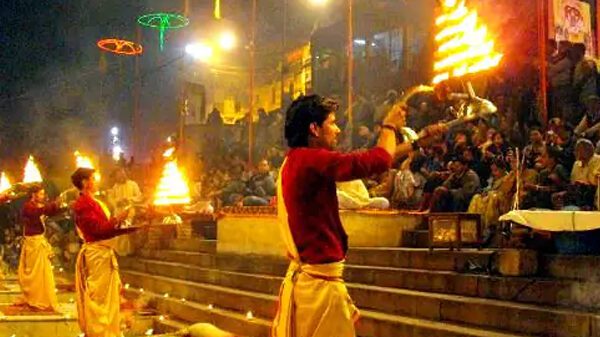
{"x":474,"y":169}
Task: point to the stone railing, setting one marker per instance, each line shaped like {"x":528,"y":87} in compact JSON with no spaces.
{"x":249,"y":211}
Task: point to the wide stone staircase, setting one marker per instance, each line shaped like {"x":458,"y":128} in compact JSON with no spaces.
{"x":17,"y":323}
{"x":401,"y":292}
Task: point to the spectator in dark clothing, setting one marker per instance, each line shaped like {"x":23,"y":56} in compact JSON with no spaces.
{"x":474,"y":162}
{"x":535,"y":148}
{"x":560,"y":75}
{"x":553,"y":178}
{"x":214,"y":118}
{"x":261,"y":186}
{"x":589,"y":126}
{"x":456,"y":192}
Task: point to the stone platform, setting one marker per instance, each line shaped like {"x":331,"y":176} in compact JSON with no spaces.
{"x":401,"y":291}
{"x":241,"y":233}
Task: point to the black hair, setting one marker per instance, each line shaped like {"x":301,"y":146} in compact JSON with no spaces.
{"x":303,"y":112}
{"x":417,"y":163}
{"x":80,"y":175}
{"x":554,"y":152}
{"x":35,"y":188}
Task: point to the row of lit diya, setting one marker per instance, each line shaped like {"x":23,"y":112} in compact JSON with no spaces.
{"x":172,"y":188}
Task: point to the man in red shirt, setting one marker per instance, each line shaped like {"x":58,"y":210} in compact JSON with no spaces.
{"x":313,"y":300}
{"x":97,"y":280}
{"x":35,"y":268}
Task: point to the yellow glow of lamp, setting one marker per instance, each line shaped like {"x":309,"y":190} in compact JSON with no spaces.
{"x":172,"y":188}
{"x":82,"y":161}
{"x":217,"y":9}
{"x":464,"y":46}
{"x":32,"y":173}
{"x":5,"y":184}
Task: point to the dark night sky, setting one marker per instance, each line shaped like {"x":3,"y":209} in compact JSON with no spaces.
{"x":54,"y":96}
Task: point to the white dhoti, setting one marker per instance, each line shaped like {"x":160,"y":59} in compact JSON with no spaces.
{"x":314,"y":302}
{"x":35,"y":273}
{"x":98,"y":287}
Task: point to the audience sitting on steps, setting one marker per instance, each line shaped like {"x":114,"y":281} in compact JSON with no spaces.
{"x":580,"y":193}
{"x":261,"y":186}
{"x":552,"y":178}
{"x":456,"y":191}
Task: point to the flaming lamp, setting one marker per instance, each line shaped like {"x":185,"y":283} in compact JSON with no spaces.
{"x":463,"y":44}
{"x":172,"y":189}
{"x":32,"y":172}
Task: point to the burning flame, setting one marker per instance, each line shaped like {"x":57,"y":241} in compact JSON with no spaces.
{"x":82,"y":161}
{"x":5,"y":184}
{"x":169,"y":152}
{"x":32,"y":173}
{"x":172,"y":187}
{"x":464,"y":46}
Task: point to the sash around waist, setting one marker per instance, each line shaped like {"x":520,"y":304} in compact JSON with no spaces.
{"x":330,"y":271}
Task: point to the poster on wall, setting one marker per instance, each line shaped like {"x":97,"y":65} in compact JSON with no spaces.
{"x":573,"y":22}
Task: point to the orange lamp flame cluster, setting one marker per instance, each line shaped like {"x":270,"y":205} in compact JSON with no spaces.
{"x":82,"y":161}
{"x":121,"y":47}
{"x":172,"y":188}
{"x":32,"y":173}
{"x":5,"y":184}
{"x":464,"y":46}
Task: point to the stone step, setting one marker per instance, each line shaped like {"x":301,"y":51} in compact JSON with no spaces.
{"x":194,"y":245}
{"x":417,"y":258}
{"x":416,"y":238}
{"x":562,"y":293}
{"x":60,"y":325}
{"x":181,"y":256}
{"x":438,"y":307}
{"x":194,"y":312}
{"x":166,"y":325}
{"x":371,"y":324}
{"x":12,"y":296}
{"x":571,"y":267}
{"x":263,"y":305}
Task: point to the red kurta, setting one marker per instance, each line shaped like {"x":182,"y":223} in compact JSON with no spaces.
{"x":309,"y":190}
{"x":32,"y":217}
{"x":93,"y":223}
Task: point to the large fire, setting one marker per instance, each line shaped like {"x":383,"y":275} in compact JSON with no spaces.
{"x":82,"y":161}
{"x":5,"y":184}
{"x":172,"y":188}
{"x":32,"y":173}
{"x":464,"y":46}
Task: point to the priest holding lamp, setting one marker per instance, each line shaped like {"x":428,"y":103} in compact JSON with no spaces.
{"x":97,"y":280}
{"x":35,"y":268}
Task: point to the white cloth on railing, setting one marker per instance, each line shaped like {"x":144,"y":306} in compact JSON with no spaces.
{"x":555,"y":221}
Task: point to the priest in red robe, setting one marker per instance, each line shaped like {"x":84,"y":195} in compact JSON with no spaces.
{"x":97,"y":280}
{"x":314,"y":301}
{"x":35,"y":267}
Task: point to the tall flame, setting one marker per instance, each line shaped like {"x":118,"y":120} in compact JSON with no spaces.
{"x":32,"y":173}
{"x":82,"y":161}
{"x":5,"y":184}
{"x":172,"y":188}
{"x":464,"y":46}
